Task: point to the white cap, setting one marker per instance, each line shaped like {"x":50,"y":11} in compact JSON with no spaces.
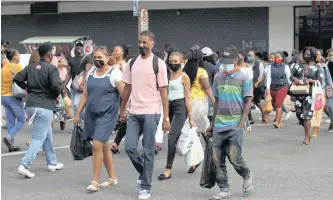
{"x":206,"y":51}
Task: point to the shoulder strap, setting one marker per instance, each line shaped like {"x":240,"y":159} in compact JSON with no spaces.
{"x":81,"y":62}
{"x":155,"y":68}
{"x":132,"y":62}
{"x":13,"y":70}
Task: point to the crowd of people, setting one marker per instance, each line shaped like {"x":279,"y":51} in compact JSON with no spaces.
{"x":157,"y":92}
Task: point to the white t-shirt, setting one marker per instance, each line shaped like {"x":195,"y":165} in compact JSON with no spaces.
{"x":248,"y":71}
{"x":115,"y":77}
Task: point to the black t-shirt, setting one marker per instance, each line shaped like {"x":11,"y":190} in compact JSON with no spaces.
{"x":77,"y":66}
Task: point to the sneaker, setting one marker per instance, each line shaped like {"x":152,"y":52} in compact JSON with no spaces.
{"x":53,"y":168}
{"x":248,"y":184}
{"x":330,"y":129}
{"x":223,"y":194}
{"x":144,"y":194}
{"x":25,"y":172}
{"x":138,"y":186}
{"x":288,"y":115}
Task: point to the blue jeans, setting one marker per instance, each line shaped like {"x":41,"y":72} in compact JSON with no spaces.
{"x":75,"y":99}
{"x":15,"y":115}
{"x":42,"y":137}
{"x":228,"y":144}
{"x":330,"y":108}
{"x":136,"y":126}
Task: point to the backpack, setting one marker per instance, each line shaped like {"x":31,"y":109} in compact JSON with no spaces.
{"x":155,"y":68}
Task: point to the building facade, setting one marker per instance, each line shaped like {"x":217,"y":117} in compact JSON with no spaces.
{"x":266,"y":26}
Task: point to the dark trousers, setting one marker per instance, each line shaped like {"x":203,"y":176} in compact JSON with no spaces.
{"x":177,"y":115}
{"x":145,"y":125}
{"x":228,"y":144}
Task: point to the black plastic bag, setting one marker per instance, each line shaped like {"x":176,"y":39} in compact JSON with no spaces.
{"x":80,"y":149}
{"x":208,"y":173}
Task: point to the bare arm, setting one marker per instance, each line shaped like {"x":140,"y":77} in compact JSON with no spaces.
{"x":188,"y":102}
{"x":125,"y":96}
{"x":68,"y":75}
{"x":83,"y":100}
{"x":206,"y":87}
{"x":246,"y":110}
{"x":165,"y":102}
{"x":120,"y":87}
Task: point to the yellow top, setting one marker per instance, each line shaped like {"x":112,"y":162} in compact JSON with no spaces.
{"x":7,"y":78}
{"x":197,"y":91}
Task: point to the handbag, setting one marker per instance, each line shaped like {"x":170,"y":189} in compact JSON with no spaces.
{"x":299,"y":89}
{"x":329,"y":91}
{"x":329,"y":88}
{"x":317,"y":96}
{"x":79,"y":78}
{"x":17,"y":91}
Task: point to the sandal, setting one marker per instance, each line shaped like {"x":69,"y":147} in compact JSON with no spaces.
{"x":192,"y":169}
{"x":110,"y":182}
{"x":163,"y":177}
{"x":305,"y":144}
{"x":93,"y":187}
{"x":248,"y":129}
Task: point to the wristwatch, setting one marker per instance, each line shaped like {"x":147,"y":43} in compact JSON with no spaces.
{"x":166,"y":119}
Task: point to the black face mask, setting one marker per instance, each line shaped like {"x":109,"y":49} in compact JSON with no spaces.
{"x":307,"y":59}
{"x":144,"y":51}
{"x":99,"y":63}
{"x":78,"y":51}
{"x":175,"y":67}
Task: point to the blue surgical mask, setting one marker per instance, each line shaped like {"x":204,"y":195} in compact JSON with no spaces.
{"x":249,"y":59}
{"x":228,"y":68}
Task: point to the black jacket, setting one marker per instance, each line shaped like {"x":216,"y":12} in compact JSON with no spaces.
{"x":43,"y":84}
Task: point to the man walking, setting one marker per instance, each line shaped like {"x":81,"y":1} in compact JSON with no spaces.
{"x":148,"y":89}
{"x":232,"y":90}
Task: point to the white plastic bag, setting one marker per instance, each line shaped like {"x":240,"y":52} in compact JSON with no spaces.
{"x":159,"y":133}
{"x":196,"y":154}
{"x":186,"y":139}
{"x":3,"y":118}
{"x":317,"y":95}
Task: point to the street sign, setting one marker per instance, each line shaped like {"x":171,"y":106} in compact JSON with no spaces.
{"x":144,"y":20}
{"x":135,"y":8}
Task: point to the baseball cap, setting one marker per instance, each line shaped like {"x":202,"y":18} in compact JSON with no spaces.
{"x":229,"y":55}
{"x":77,"y":42}
{"x":206,"y":51}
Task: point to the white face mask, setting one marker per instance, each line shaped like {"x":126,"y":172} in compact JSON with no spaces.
{"x":53,"y":52}
{"x":228,"y":68}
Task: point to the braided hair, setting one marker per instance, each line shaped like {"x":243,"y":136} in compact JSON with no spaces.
{"x":194,"y":61}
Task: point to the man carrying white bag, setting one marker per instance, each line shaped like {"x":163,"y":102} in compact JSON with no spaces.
{"x":189,"y":145}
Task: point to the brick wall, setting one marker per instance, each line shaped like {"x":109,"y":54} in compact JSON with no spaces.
{"x":215,"y":28}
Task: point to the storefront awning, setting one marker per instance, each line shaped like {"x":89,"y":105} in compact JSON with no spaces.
{"x":52,"y":39}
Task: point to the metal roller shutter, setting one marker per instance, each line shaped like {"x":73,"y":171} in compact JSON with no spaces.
{"x":215,"y":28}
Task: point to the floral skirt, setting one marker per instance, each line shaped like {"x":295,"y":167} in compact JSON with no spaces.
{"x":303,"y":106}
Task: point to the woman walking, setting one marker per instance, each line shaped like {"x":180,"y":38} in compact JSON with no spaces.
{"x":14,"y":106}
{"x":101,"y":98}
{"x":278,"y":80}
{"x":306,"y":73}
{"x":180,"y":108}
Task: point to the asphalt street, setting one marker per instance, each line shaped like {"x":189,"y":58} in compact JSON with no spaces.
{"x":282,"y":168}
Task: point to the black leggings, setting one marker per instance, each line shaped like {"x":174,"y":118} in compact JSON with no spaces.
{"x":178,"y":116}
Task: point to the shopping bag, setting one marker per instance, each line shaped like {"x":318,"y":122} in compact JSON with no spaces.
{"x":80,"y":149}
{"x":208,"y":173}
{"x":317,"y":96}
{"x":289,"y":103}
{"x":186,"y":139}
{"x":196,"y":154}
{"x":268,"y":106}
{"x":3,"y":118}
